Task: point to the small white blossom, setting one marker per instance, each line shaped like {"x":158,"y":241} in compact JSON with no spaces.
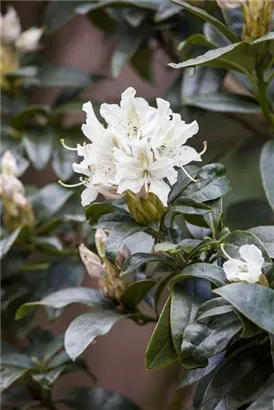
{"x":230,"y":4}
{"x":8,"y":164}
{"x":29,"y":40}
{"x":249,"y":269}
{"x":10,"y":26}
{"x":137,"y":150}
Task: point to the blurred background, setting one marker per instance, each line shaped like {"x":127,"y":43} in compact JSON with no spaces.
{"x":93,"y":52}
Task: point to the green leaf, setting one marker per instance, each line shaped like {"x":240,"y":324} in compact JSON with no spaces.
{"x":202,"y":341}
{"x":265,"y":400}
{"x":38,"y":146}
{"x":267,"y":171}
{"x":19,"y":121}
{"x":236,"y":239}
{"x":182,"y":182}
{"x":195,"y":39}
{"x":237,"y":379}
{"x":224,"y":102}
{"x":205,"y":80}
{"x":136,"y":292}
{"x":87,"y":7}
{"x":160,"y":351}
{"x":64,"y":77}
{"x":126,"y":48}
{"x":212,"y":273}
{"x":117,"y":237}
{"x":85,"y":328}
{"x":48,"y":244}
{"x":253,"y":301}
{"x":59,"y":13}
{"x":212,"y":184}
{"x":186,"y":205}
{"x":266,"y":236}
{"x":49,"y":200}
{"x":47,"y":378}
{"x":232,"y":57}
{"x":213,"y":219}
{"x":213,"y":307}
{"x":142,"y":61}
{"x":182,"y":312}
{"x":13,"y":367}
{"x":194,"y":375}
{"x":96,"y":398}
{"x":65,"y":297}
{"x":96,"y":210}
{"x":8,"y":241}
{"x":138,"y":259}
{"x":199,"y":12}
{"x":62,"y":159}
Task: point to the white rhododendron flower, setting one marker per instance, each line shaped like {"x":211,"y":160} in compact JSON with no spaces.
{"x":137,"y":150}
{"x":230,"y":4}
{"x":11,"y":32}
{"x":249,"y":269}
{"x":10,"y":26}
{"x":29,"y":39}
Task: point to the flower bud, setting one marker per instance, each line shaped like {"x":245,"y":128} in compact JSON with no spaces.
{"x":257,"y":18}
{"x":8,"y":164}
{"x":92,"y":262}
{"x":100,"y":242}
{"x":10,"y":26}
{"x":145,"y":210}
{"x":29,"y":40}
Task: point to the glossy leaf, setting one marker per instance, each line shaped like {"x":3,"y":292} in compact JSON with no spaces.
{"x":253,"y":301}
{"x":213,"y":274}
{"x":96,"y":398}
{"x":96,"y":210}
{"x":85,"y":328}
{"x":160,"y":351}
{"x":224,"y":102}
{"x":202,"y":341}
{"x":267,"y":171}
{"x":136,"y":292}
{"x":7,"y":242}
{"x":138,"y":259}
{"x":117,"y":237}
{"x":200,"y":12}
{"x":204,"y":81}
{"x":13,"y":367}
{"x":265,"y":400}
{"x":182,"y":312}
{"x":65,"y":297}
{"x":266,"y":236}
{"x":182,"y":182}
{"x":63,"y":77}
{"x":62,"y":160}
{"x":213,"y":307}
{"x":185,"y":205}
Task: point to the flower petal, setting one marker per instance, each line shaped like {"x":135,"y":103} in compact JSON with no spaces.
{"x":93,"y":129}
{"x":89,"y":195}
{"x":252,"y":255}
{"x":160,"y":189}
{"x":233,"y":268}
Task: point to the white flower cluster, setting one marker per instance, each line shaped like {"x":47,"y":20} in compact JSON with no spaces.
{"x":11,"y":32}
{"x":249,"y":269}
{"x":138,"y":149}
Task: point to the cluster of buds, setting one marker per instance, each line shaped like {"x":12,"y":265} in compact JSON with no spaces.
{"x":111,"y":285}
{"x":13,"y":40}
{"x":16,"y":207}
{"x":257,"y":15}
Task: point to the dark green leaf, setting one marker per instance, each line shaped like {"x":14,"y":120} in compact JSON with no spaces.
{"x":59,"y":13}
{"x":213,"y":307}
{"x":38,"y":146}
{"x":48,"y":243}
{"x":20,"y":120}
{"x":96,"y":210}
{"x":182,"y":312}
{"x":266,"y":236}
{"x":13,"y":367}
{"x":64,"y":77}
{"x":138,"y":259}
{"x":201,"y":341}
{"x":64,"y":297}
{"x":203,"y":81}
{"x":212,"y":184}
{"x":232,"y":57}
{"x":182,"y":182}
{"x":96,"y":398}
{"x":142,"y":61}
{"x":267,"y":171}
{"x":46,"y":379}
{"x":199,"y":12}
{"x":8,"y":241}
{"x":136,"y":292}
{"x":195,"y":39}
{"x":160,"y":351}
{"x":214,"y":274}
{"x":253,"y":301}
{"x":265,"y":400}
{"x":224,"y":102}
{"x":62,"y":159}
{"x":213,"y":219}
{"x":117,"y":237}
{"x":85,"y":328}
{"x":49,"y":200}
{"x":185,"y":205}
